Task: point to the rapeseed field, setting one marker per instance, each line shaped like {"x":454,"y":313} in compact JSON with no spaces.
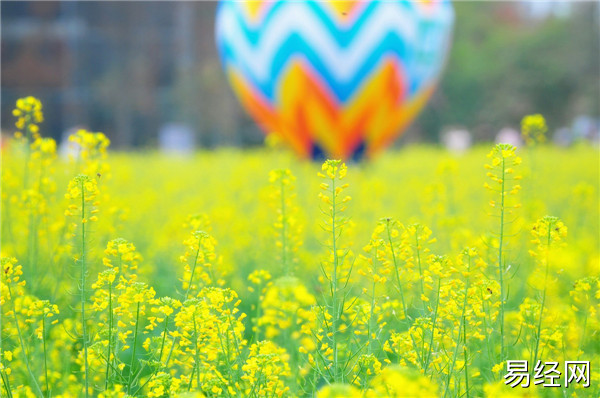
{"x":250,"y":273}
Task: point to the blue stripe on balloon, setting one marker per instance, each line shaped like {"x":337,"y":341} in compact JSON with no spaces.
{"x":418,"y":67}
{"x":343,"y":35}
{"x":295,"y":46}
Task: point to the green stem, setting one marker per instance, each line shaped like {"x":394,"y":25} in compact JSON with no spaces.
{"x":160,"y":355}
{"x":437,"y":305}
{"x":31,"y":247}
{"x":334,"y":282}
{"x":486,"y":313}
{"x":283,"y":232}
{"x":465,"y":357}
{"x":539,"y":328}
{"x":34,"y":222}
{"x":187,"y":292}
{"x":19,"y":334}
{"x":45,"y":353}
{"x":197,"y":357}
{"x":235,"y":342}
{"x":258,"y":314}
{"x":27,"y":157}
{"x":3,"y":374}
{"x":162,"y":346}
{"x":369,"y":329}
{"x":400,"y":290}
{"x":110,"y":328}
{"x":420,"y":267}
{"x":462,"y":320}
{"x":6,"y":384}
{"x":82,"y":288}
{"x":191,"y":378}
{"x":226,"y":350}
{"x":135,"y":337}
{"x":454,"y":356}
{"x":500,"y":266}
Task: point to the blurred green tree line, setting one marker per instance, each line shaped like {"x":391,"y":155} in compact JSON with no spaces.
{"x":503,"y":67}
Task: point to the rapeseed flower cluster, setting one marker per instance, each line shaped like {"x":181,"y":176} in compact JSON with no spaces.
{"x":28,"y":112}
{"x":534,"y":129}
{"x":92,"y":152}
{"x":200,"y":263}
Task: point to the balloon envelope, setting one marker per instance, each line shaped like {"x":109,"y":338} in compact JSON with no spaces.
{"x":335,"y":78}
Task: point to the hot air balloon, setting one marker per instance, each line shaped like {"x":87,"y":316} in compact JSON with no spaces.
{"x":334,"y":78}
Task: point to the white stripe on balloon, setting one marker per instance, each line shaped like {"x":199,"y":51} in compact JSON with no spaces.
{"x":343,"y":63}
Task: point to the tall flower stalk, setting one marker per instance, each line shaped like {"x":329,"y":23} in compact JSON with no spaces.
{"x":82,"y":192}
{"x":546,"y":231}
{"x":333,"y":172}
{"x":286,"y":225}
{"x":502,"y":173}
{"x":392,"y":232}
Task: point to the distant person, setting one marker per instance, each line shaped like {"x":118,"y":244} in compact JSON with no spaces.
{"x":176,"y":138}
{"x":510,"y":136}
{"x":457,"y":140}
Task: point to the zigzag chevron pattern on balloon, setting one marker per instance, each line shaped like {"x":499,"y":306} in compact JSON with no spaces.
{"x":339,"y":78}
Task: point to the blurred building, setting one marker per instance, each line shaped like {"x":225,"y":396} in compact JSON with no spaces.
{"x":124,"y":68}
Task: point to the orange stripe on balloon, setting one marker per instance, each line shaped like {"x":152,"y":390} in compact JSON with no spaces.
{"x":403,"y":116}
{"x":371,"y":109}
{"x":268,"y":119}
{"x":306,"y":108}
{"x":306,"y":112}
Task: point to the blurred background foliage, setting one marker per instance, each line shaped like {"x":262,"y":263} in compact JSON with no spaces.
{"x":503,"y":66}
{"x":130,"y":68}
